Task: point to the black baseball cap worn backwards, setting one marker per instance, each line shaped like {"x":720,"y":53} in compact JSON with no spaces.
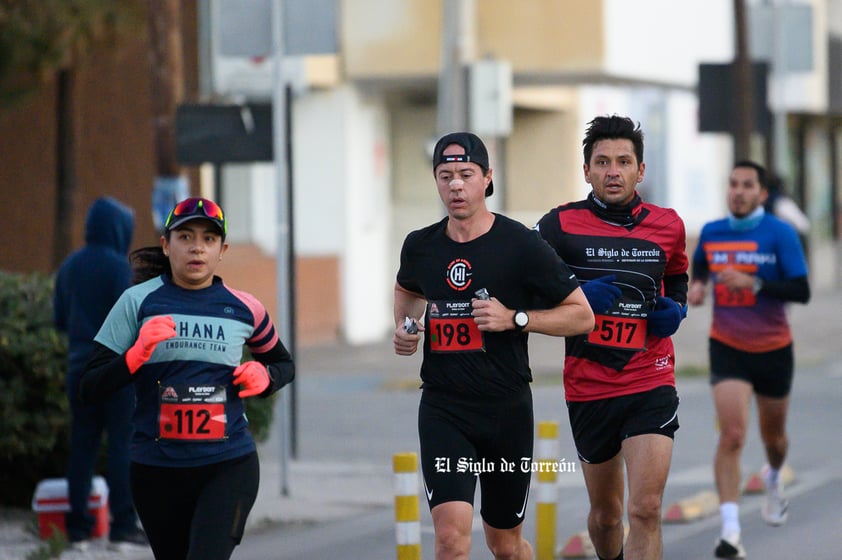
{"x":475,"y":152}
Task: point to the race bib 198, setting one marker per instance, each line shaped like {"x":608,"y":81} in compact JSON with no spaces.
{"x":451,"y":328}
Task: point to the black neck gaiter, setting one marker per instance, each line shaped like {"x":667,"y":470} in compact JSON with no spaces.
{"x":626,"y":215}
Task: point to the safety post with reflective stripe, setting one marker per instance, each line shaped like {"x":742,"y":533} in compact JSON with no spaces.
{"x":546,"y":453}
{"x":407,"y":520}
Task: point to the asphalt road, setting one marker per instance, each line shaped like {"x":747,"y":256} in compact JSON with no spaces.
{"x":359,"y":417}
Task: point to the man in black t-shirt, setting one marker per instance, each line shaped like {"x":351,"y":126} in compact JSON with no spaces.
{"x":481,"y":282}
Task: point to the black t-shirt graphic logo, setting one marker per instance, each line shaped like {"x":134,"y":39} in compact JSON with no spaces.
{"x":459,"y":274}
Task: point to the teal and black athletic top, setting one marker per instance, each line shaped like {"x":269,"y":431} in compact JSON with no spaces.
{"x":188,"y":412}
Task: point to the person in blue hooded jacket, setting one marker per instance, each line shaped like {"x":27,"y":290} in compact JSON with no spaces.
{"x":87,"y":285}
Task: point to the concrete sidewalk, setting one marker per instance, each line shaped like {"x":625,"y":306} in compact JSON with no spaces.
{"x":343,"y":467}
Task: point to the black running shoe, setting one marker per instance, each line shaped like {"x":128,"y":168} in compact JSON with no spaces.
{"x":136,"y":540}
{"x":730,"y":547}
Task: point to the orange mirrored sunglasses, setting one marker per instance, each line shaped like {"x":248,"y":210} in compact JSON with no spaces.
{"x":198,"y":207}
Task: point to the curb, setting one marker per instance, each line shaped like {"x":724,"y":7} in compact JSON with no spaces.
{"x":580,"y":545}
{"x":695,"y":507}
{"x":706,"y":502}
{"x":756,"y":485}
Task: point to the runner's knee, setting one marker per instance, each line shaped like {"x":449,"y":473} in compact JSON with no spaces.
{"x":451,"y":541}
{"x":645,"y":509}
{"x":776,"y":441}
{"x":606,"y":519}
{"x":505,"y":545}
{"x":732,"y":438}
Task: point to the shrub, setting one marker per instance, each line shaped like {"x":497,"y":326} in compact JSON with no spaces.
{"x":33,"y":407}
{"x":259,"y":411}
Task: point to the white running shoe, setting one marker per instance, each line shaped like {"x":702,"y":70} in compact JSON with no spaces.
{"x":775,"y":510}
{"x":729,"y":546}
{"x":132,"y":542}
{"x":78,"y":546}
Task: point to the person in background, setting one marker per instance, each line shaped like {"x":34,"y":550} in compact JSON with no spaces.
{"x":779,"y":204}
{"x":619,"y":380}
{"x":87,"y":285}
{"x":178,"y":338}
{"x":756,"y":265}
{"x":474,"y":285}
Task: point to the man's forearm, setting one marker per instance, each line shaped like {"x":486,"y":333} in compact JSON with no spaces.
{"x":791,"y":289}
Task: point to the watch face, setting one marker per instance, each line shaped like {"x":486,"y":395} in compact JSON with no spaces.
{"x":521,"y":318}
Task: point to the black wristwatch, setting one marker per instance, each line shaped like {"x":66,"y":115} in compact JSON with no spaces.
{"x":521,"y":319}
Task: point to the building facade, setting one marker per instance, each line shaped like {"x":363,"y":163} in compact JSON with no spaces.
{"x":363,"y":121}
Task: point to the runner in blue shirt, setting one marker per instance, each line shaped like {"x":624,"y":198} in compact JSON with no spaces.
{"x":756,"y":266}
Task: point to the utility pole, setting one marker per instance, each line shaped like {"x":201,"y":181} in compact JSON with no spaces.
{"x":167,"y":70}
{"x":743,"y":87}
{"x":167,"y":79}
{"x":66,"y":180}
{"x":457,"y":50}
{"x":283,"y":255}
{"x":778,"y":159}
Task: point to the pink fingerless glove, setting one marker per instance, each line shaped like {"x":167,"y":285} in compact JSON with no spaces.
{"x":253,"y":377}
{"x":151,"y":333}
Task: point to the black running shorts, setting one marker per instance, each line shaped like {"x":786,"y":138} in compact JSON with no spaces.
{"x":600,"y":426}
{"x":464,"y":439}
{"x":769,"y":373}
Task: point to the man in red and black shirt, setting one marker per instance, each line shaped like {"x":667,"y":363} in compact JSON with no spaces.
{"x":619,"y":380}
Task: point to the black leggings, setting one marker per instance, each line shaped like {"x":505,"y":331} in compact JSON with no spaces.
{"x":195,"y":513}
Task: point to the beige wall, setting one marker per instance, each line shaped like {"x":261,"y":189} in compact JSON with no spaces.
{"x":542,"y":36}
{"x":542,"y":174}
{"x":415,"y":201}
{"x":401,"y":38}
{"x":413,"y":129}
{"x":389,"y":37}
